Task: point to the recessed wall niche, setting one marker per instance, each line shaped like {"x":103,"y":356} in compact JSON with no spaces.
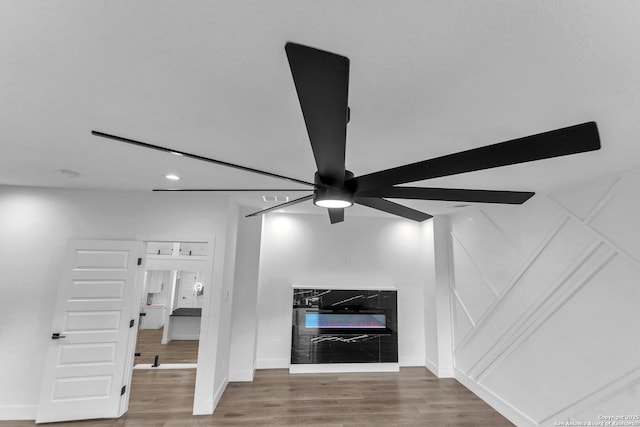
{"x":344,"y":326}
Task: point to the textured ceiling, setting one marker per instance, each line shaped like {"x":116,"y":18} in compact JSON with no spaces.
{"x":428,"y":78}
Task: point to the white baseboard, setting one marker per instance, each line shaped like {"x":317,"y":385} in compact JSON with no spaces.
{"x":410,"y":362}
{"x":272,"y":363}
{"x":241,"y":375}
{"x":18,"y":412}
{"x":504,"y":408}
{"x":438,"y":371}
{"x":343,"y":367}
{"x":184,"y":337}
{"x":218,"y":394}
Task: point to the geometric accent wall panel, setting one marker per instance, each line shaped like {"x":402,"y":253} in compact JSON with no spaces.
{"x":497,"y":259}
{"x":461,"y":324}
{"x":567,"y":247}
{"x":622,"y":230}
{"x":618,"y":402}
{"x":575,"y":352}
{"x":473,"y":290}
{"x":561,"y":342}
{"x":526,"y":229}
{"x":580,"y":200}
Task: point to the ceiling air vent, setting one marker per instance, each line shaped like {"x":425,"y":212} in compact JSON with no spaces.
{"x":275,"y":199}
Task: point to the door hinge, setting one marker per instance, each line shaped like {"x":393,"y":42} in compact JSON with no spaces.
{"x":122,"y":390}
{"x":139,"y":261}
{"x":131,"y":323}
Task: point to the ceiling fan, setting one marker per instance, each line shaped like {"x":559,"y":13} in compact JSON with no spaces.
{"x":322,"y":82}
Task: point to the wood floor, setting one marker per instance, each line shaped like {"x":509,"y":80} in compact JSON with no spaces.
{"x":412,"y":397}
{"x":177,"y":351}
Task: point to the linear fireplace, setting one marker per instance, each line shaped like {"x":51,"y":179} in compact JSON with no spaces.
{"x":344,"y":326}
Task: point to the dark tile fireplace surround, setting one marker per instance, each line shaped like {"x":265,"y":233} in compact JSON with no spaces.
{"x":344,"y":326}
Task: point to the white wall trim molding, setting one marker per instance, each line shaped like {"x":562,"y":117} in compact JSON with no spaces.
{"x":218,"y":393}
{"x":504,"y":235}
{"x":18,"y":412}
{"x":556,"y":295}
{"x":185,"y":337}
{"x":272,"y":363}
{"x":320,"y":368}
{"x":596,"y":397}
{"x":508,"y":411}
{"x":484,"y":319}
{"x":485,"y":280}
{"x":241,"y":375}
{"x":586,"y":223}
{"x":597,"y":208}
{"x":431,"y":367}
{"x":558,"y":345}
{"x":410,"y":362}
{"x":437,"y":371}
{"x":464,"y":308}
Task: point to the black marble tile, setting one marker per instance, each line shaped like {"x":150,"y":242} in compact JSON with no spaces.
{"x":344,"y":326}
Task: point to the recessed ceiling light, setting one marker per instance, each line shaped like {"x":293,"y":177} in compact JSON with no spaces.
{"x":172,"y":177}
{"x":176,"y":153}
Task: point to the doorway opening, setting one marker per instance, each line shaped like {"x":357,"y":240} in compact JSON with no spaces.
{"x":176,"y":281}
{"x":171,"y":305}
{"x":170,"y":315}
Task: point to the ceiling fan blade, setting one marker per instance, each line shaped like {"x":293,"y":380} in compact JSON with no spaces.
{"x":392,"y":208}
{"x":282,"y":205}
{"x":195,"y":156}
{"x":560,"y":142}
{"x":322,"y":82}
{"x":336,"y":215}
{"x":450,"y":194}
{"x":287,"y":190}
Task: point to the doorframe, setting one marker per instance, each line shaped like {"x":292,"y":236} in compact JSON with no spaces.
{"x":206,"y":349}
{"x":133,"y":332}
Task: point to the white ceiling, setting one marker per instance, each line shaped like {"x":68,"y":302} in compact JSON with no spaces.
{"x":428,"y":78}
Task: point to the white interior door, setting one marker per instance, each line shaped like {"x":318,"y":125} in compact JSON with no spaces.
{"x":187,"y":289}
{"x":86,"y":365}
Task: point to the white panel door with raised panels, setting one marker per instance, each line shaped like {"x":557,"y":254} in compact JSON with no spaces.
{"x":86,"y":365}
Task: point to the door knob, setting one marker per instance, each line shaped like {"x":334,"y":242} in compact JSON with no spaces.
{"x":57,"y":336}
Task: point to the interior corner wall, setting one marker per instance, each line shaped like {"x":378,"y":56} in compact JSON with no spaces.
{"x":223,"y":308}
{"x":438,"y":303}
{"x":359,"y":253}
{"x":35,"y":225}
{"x":244,"y":321}
{"x":545,"y":300}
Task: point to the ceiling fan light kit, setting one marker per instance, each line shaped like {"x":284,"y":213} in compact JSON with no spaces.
{"x":321,"y":80}
{"x":330,"y":194}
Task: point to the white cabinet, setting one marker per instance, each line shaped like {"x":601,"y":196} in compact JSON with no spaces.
{"x":157,"y":280}
{"x":154,"y":318}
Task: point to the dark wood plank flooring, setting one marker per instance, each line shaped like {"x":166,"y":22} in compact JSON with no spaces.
{"x":412,"y":397}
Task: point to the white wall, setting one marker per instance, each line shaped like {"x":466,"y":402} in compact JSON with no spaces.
{"x":244,"y":322}
{"x":224,"y":307}
{"x":306,"y":250}
{"x":546,"y":303}
{"x":35,"y":225}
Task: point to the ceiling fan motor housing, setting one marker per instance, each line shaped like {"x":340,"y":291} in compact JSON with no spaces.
{"x":327,"y":191}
